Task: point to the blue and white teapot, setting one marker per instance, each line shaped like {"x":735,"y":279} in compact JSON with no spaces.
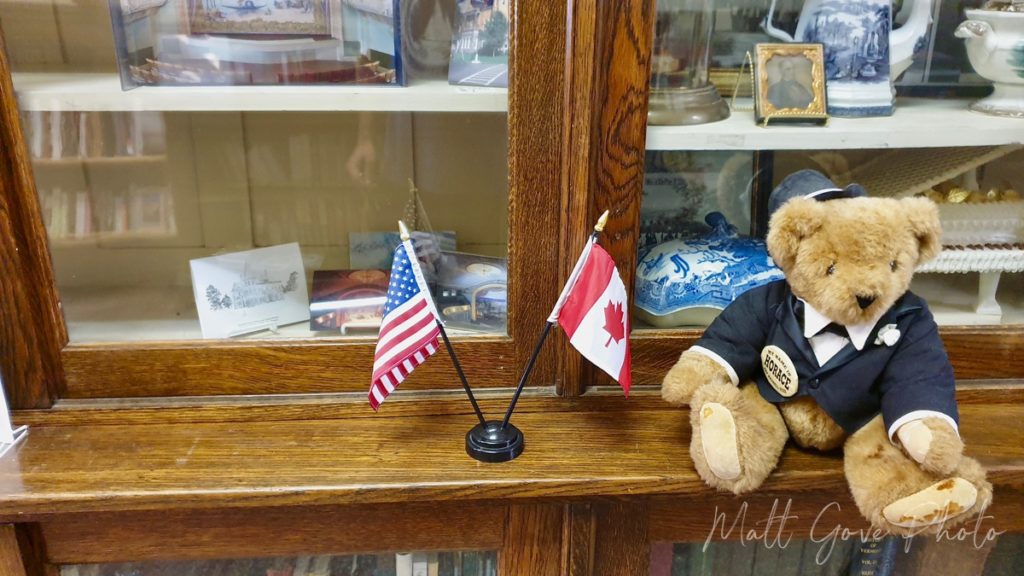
{"x":864,"y":55}
{"x":689,"y":281}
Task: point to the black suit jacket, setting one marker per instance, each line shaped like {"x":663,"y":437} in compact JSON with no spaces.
{"x":854,"y":386}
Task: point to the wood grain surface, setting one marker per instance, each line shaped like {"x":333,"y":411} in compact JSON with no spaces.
{"x":533,"y":541}
{"x":537,"y":79}
{"x":32,"y":328}
{"x":206,"y":368}
{"x":493,"y":401}
{"x":627,"y":39}
{"x":273,"y":367}
{"x":33,"y":551}
{"x":577,"y":216}
{"x":605,"y":134}
{"x":976,"y":352}
{"x":579,"y":538}
{"x":621,"y":547}
{"x":263,"y":532}
{"x":67,"y":469}
{"x":10,"y":554}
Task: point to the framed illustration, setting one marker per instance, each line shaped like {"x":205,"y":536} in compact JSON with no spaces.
{"x":789,"y":83}
{"x":305,"y":17}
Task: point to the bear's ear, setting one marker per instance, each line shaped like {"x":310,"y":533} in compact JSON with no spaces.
{"x":795,"y":220}
{"x":923,"y":218}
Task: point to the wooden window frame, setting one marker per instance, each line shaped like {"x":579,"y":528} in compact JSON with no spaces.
{"x":577,"y":131}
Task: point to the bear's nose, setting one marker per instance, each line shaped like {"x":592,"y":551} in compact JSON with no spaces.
{"x":865,"y":301}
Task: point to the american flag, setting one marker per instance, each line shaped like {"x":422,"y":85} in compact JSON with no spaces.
{"x":409,"y":330}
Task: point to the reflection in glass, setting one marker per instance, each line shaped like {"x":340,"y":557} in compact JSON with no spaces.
{"x":61,"y":145}
{"x":694,"y":255}
{"x":483,"y":563}
{"x":830,"y":553}
{"x":976,"y":279}
{"x":130,"y":199}
{"x":680,"y":91}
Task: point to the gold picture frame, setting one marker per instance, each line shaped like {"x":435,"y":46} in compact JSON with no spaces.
{"x":789,"y":83}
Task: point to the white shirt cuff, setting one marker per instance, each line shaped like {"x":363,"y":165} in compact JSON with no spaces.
{"x":920,"y":415}
{"x":720,"y":361}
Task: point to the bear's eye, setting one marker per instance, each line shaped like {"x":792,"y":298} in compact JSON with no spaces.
{"x":893,"y":266}
{"x":831,"y":269}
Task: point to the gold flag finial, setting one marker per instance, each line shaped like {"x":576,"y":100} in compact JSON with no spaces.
{"x":601,"y":222}
{"x":403,"y":231}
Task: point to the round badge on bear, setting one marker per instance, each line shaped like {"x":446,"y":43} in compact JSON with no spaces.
{"x":779,"y":370}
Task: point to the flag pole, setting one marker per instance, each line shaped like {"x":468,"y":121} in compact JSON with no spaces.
{"x":462,"y":375}
{"x":404,"y":233}
{"x":598,"y":228}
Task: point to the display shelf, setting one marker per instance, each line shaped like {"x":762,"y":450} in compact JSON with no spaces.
{"x":150,"y":314}
{"x":121,"y":162}
{"x":952,"y":298}
{"x":377,"y":459}
{"x":917,"y":123}
{"x":102,"y":92}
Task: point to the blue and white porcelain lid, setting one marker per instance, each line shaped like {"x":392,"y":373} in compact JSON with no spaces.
{"x":710,"y":270}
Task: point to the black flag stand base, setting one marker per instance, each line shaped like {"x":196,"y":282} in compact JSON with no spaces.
{"x":490,"y":442}
{"x":494,"y":441}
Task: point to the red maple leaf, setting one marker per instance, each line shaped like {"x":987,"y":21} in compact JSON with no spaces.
{"x":613,"y":323}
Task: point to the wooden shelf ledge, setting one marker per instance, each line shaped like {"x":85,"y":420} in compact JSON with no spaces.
{"x":65,"y":469}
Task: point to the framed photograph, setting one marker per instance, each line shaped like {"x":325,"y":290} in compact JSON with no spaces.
{"x":348,"y":300}
{"x":479,"y":55}
{"x":305,"y":17}
{"x":789,"y":83}
{"x":243,"y":292}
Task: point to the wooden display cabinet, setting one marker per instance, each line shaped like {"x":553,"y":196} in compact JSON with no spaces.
{"x":183,"y":450}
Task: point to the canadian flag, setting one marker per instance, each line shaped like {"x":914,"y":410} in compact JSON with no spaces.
{"x":593,"y":312}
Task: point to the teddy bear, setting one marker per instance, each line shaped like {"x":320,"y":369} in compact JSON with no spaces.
{"x":839,"y":353}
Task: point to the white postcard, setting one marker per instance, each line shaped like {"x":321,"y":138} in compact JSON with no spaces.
{"x":244,"y":292}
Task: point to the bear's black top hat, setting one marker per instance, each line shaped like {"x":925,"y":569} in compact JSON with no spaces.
{"x":810,"y":184}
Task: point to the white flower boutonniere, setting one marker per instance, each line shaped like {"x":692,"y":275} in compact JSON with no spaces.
{"x":888,"y":335}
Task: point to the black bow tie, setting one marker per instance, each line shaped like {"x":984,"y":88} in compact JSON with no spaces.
{"x":831,"y":327}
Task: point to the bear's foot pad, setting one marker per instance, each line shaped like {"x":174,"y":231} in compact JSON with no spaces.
{"x":718,"y":438}
{"x":933,"y":505}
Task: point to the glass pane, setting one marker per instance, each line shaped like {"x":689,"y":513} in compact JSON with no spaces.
{"x":693,"y":201}
{"x":941,"y":65}
{"x":191,"y":212}
{"x":402,"y":564}
{"x":828,"y":555}
{"x":688,"y":270}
